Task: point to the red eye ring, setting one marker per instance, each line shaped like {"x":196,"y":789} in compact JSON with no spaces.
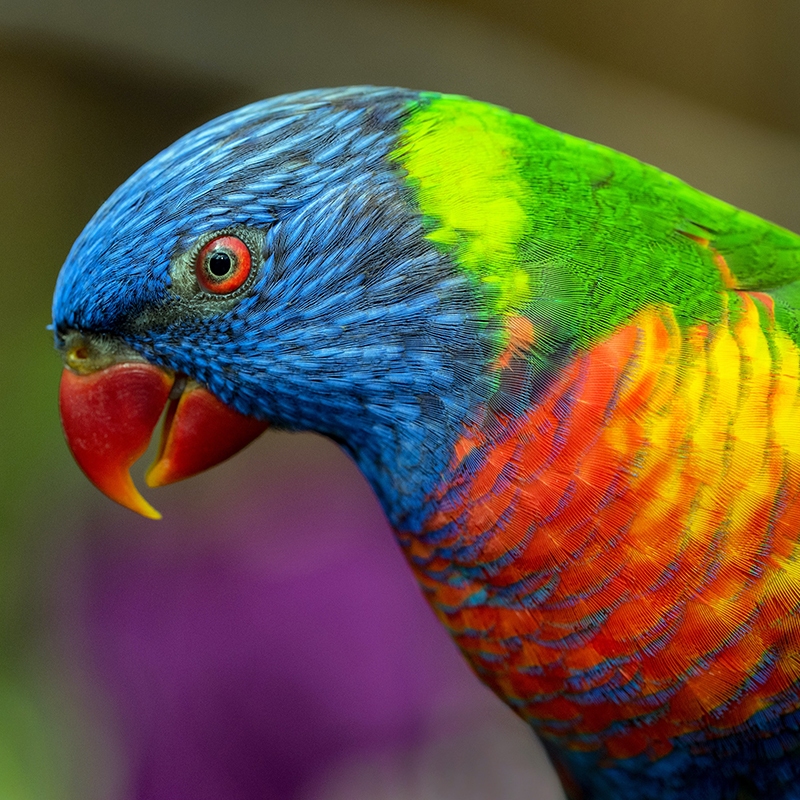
{"x":223,"y":265}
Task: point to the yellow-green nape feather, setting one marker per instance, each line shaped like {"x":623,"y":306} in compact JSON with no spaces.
{"x":460,"y":158}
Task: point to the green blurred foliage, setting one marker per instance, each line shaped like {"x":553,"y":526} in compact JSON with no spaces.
{"x":70,"y":132}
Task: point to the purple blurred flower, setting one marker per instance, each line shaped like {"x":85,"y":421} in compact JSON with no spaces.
{"x":253,"y":642}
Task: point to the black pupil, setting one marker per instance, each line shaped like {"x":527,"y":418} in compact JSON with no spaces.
{"x":220,"y":264}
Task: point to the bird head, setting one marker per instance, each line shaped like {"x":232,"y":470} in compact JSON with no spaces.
{"x":273,"y":267}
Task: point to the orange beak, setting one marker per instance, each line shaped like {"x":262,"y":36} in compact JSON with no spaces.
{"x":109,"y":416}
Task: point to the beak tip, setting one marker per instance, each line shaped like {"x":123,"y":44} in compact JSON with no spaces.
{"x":128,"y":496}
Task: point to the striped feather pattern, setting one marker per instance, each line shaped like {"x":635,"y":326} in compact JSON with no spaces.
{"x":620,"y":563}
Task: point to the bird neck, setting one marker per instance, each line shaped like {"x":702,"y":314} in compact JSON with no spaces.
{"x":403,"y":442}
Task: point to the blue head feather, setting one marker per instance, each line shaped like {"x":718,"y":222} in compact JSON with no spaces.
{"x":356,"y":325}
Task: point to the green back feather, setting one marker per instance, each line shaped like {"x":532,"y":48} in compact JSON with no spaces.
{"x":564,"y":230}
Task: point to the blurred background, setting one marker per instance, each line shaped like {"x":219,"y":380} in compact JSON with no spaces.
{"x":266,"y":639}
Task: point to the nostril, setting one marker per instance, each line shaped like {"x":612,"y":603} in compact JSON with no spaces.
{"x":78,"y":358}
{"x":86,"y":353}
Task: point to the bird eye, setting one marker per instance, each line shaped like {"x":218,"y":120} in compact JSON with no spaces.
{"x":223,"y":265}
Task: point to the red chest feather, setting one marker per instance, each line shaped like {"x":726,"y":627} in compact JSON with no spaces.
{"x":621,"y":563}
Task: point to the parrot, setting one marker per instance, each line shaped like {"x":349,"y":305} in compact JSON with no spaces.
{"x":571,"y":379}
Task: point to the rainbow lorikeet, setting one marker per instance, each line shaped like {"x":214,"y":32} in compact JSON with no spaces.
{"x":571,"y":379}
